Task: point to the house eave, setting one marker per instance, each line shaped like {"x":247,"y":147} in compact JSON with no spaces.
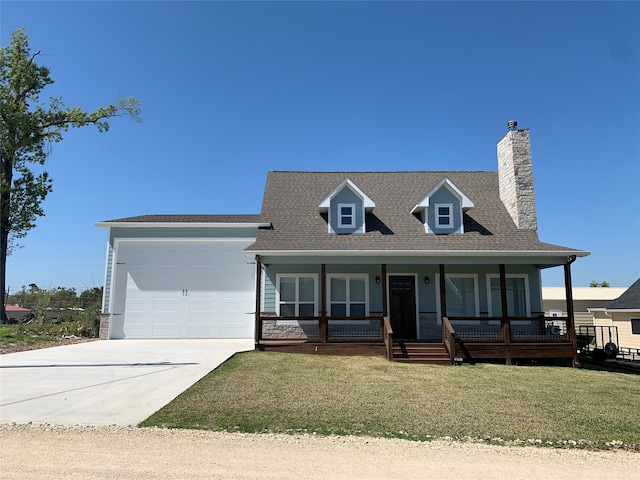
{"x":182,"y":224}
{"x":614,"y":310}
{"x":417,"y":253}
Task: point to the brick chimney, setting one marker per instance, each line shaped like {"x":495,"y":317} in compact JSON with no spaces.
{"x":515,"y":176}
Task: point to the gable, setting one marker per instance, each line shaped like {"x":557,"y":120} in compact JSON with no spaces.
{"x":442,"y":208}
{"x":444,"y":215}
{"x":345,"y":206}
{"x":346,"y":213}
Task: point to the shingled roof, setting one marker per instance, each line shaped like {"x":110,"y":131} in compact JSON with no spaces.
{"x":629,"y":300}
{"x":291,"y":202}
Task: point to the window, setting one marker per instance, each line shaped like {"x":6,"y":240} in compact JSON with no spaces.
{"x":635,"y":326}
{"x":517,"y":296}
{"x":444,"y":215}
{"x":346,"y":215}
{"x":297,"y":295}
{"x":462,"y":295}
{"x":348,"y":295}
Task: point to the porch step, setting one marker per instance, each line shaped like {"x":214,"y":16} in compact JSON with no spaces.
{"x":413,"y":352}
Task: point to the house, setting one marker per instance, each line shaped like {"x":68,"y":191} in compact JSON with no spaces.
{"x":16,"y":313}
{"x":422,"y":265}
{"x":624,"y":313}
{"x":554,"y":301}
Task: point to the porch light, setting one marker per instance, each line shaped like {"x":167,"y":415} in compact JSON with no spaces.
{"x":426,"y":280}
{"x":378,"y":280}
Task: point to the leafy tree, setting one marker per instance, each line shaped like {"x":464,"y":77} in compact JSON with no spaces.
{"x":91,"y":298}
{"x":28,"y":129}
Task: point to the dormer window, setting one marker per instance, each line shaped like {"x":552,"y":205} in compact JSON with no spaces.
{"x":346,"y":207}
{"x":346,"y":215}
{"x":444,"y":215}
{"x":442,"y":208}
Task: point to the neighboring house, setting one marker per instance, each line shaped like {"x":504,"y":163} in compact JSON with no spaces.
{"x":624,"y":313}
{"x":554,"y":301}
{"x":15,"y":313}
{"x":429,"y":265}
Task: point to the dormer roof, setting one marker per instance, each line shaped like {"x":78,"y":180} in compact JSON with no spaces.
{"x":326,"y":201}
{"x":290,"y":205}
{"x":465,"y":202}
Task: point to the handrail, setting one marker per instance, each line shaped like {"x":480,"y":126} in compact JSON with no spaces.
{"x":498,"y":333}
{"x":388,"y":338}
{"x":317,"y":319}
{"x":449,"y":337}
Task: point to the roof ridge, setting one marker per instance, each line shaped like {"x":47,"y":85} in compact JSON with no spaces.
{"x":383,"y":171}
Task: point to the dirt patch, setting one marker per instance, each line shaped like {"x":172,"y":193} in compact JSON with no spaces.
{"x":23,"y":346}
{"x":52,"y":452}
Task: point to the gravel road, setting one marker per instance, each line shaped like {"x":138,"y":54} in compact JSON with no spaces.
{"x":48,"y":452}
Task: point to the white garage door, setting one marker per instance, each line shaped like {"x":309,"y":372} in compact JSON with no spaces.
{"x":183,"y":289}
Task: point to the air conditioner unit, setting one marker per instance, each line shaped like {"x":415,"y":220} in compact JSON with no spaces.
{"x":553,"y":330}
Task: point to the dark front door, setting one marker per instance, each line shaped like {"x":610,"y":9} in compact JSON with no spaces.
{"x":402,"y":295}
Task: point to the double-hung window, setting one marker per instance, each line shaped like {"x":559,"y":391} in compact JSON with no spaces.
{"x":297,"y":295}
{"x":346,"y":215}
{"x":348,"y":295}
{"x":444,"y":215}
{"x":517,"y":296}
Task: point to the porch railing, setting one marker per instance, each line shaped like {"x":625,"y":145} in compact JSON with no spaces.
{"x":377,"y":328}
{"x":513,"y":329}
{"x":388,"y":338}
{"x":449,"y":337}
{"x":319,"y":329}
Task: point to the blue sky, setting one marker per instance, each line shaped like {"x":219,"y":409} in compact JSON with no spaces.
{"x":231,"y":90}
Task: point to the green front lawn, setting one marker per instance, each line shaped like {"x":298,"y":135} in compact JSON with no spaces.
{"x":275,"y":392}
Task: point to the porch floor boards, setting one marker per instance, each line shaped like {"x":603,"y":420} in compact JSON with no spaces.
{"x":415,"y":352}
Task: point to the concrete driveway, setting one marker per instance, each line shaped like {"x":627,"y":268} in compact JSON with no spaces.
{"x":109,"y":382}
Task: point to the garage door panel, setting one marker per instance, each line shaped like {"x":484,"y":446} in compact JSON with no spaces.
{"x":236,"y":326}
{"x":184,"y":289}
{"x":164,"y":331}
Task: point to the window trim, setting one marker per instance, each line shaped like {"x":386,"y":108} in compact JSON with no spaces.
{"x":631,"y":320}
{"x":438,"y":217}
{"x":352,"y":216}
{"x":527,"y":293}
{"x":297,"y":276}
{"x":348,"y":300}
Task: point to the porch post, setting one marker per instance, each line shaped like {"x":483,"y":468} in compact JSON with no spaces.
{"x":443,"y":294}
{"x":385,"y":307}
{"x":504,"y":321}
{"x":258,"y":323}
{"x":323,"y":327}
{"x":571,"y":329}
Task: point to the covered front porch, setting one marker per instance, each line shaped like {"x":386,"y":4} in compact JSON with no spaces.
{"x":404,"y":329}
